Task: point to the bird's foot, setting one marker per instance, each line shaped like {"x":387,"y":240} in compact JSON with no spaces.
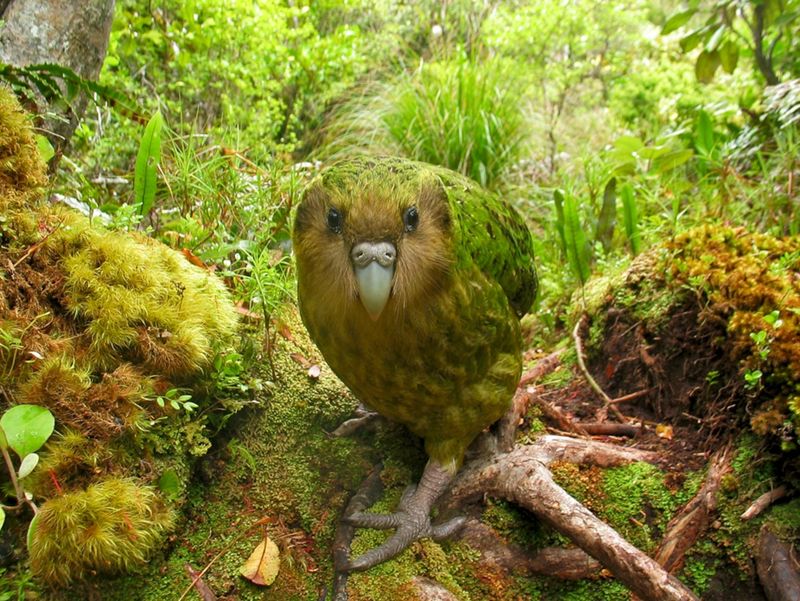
{"x":363,"y":418}
{"x":411,"y":521}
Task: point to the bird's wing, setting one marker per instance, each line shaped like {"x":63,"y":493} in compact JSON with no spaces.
{"x":494,"y":236}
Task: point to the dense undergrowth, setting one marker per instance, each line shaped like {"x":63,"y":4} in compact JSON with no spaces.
{"x":617,"y":129}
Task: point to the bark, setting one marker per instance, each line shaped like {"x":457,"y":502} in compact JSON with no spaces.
{"x":778,"y":567}
{"x":71,"y":34}
{"x":522,"y":477}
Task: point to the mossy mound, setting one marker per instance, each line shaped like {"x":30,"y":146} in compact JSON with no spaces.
{"x":112,"y":526}
{"x":120,"y":338}
{"x":709,"y":325}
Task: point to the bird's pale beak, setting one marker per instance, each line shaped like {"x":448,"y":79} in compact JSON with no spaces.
{"x":373,"y":263}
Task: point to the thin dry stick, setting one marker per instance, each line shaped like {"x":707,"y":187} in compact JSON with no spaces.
{"x":576,"y":336}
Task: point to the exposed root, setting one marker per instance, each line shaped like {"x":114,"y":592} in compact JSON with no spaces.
{"x":367,"y":495}
{"x":691,"y":522}
{"x":496,"y":553}
{"x":525,"y":395}
{"x":764,"y":501}
{"x":608,"y":402}
{"x":522,"y":477}
{"x":778,"y":567}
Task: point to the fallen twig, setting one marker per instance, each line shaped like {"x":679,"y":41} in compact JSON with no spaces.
{"x":764,"y":501}
{"x":609,"y":429}
{"x":206,"y":594}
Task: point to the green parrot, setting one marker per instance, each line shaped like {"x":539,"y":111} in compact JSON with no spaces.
{"x":411,"y":281}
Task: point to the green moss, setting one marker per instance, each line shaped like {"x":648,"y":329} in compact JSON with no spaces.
{"x":638,"y":504}
{"x":112,"y":526}
{"x":141,"y":300}
{"x":22,"y":171}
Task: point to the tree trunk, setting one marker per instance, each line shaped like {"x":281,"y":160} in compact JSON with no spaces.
{"x":72,"y":34}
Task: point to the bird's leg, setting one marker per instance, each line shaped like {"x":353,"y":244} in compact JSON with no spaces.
{"x":412,"y":519}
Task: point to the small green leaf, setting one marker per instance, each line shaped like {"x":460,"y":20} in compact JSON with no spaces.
{"x":28,"y":464}
{"x":578,"y":251}
{"x":713,"y":42}
{"x":2,"y":518}
{"x":677,"y":21}
{"x":729,"y":56}
{"x":46,"y":149}
{"x":706,"y":66}
{"x":160,"y":401}
{"x":672,"y":159}
{"x":690,"y":41}
{"x":3,"y":439}
{"x":27,"y":427}
{"x":32,"y":530}
{"x":558,"y":199}
{"x":170,"y":484}
{"x":147,"y":159}
{"x":175,"y":405}
{"x":704,"y":133}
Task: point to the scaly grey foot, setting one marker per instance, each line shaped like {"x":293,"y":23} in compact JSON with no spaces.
{"x":412,"y":519}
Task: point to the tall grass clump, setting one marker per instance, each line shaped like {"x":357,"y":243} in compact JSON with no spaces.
{"x":465,"y":115}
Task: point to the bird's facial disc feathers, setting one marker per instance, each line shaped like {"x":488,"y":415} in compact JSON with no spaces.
{"x":373,"y":242}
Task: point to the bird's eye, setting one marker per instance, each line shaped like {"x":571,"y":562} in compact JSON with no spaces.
{"x":411,"y":219}
{"x":335,"y":220}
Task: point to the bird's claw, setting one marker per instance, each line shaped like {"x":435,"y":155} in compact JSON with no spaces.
{"x":411,"y":522}
{"x":409,"y":527}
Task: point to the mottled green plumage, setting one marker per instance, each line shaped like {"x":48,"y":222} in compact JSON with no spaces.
{"x":443,"y":358}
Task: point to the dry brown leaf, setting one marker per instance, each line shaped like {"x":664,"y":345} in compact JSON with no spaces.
{"x":301,"y":360}
{"x":664,"y":431}
{"x":262,"y":566}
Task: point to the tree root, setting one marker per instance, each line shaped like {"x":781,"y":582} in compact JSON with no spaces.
{"x":522,"y":477}
{"x":764,"y":501}
{"x":368,"y":493}
{"x":691,"y":522}
{"x":567,"y":564}
{"x":778,"y":567}
{"x":608,"y":402}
